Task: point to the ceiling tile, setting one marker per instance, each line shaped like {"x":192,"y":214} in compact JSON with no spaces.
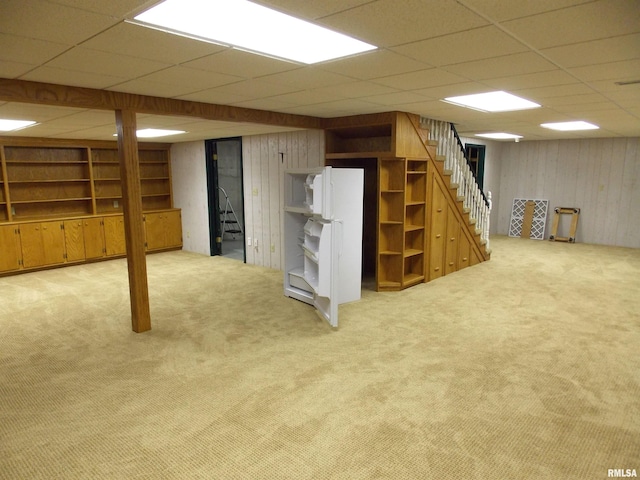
{"x":510,"y":65}
{"x":312,"y":10}
{"x":150,"y":44}
{"x":256,"y":88}
{"x":582,"y":23}
{"x":69,"y":77}
{"x":542,"y":94}
{"x":485,"y":42}
{"x":39,"y":113}
{"x":105,"y":63}
{"x":432,"y":77}
{"x":13,"y":69}
{"x":500,"y":10}
{"x":190,"y":78}
{"x":357,"y":89}
{"x":241,"y":64}
{"x":142,"y":86}
{"x":215,"y":96}
{"x":306,"y":97}
{"x":379,"y":63}
{"x":615,"y":49}
{"x":616,"y":71}
{"x":466,"y":88}
{"x":306,"y":78}
{"x":384,"y":23}
{"x":28,"y":50}
{"x":115,"y":8}
{"x":396,"y":97}
{"x":540,"y":79}
{"x":48,"y":21}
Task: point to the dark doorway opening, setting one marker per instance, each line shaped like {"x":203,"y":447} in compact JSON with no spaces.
{"x":226,"y":199}
{"x":475,"y":159}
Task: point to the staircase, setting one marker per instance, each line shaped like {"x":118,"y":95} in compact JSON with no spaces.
{"x":431,"y":218}
{"x":452,"y":163}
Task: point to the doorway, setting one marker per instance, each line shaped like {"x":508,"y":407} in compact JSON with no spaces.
{"x":475,"y":159}
{"x":226,"y":202}
{"x":370,"y":214}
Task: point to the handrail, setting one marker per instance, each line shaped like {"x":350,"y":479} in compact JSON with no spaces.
{"x":475,"y":202}
{"x":466,"y":157}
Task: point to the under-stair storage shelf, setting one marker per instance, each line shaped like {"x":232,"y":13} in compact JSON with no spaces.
{"x":61,"y":201}
{"x":421,"y":227}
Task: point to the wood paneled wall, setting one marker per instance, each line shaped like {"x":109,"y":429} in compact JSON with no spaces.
{"x":600,"y":176}
{"x":264,"y":159}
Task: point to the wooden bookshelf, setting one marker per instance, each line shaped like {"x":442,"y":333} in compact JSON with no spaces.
{"x":61,"y":202}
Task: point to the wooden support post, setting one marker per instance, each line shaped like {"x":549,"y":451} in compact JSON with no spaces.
{"x":133,"y":220}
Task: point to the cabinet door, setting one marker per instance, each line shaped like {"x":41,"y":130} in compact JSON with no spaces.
{"x":439,"y":209}
{"x":10,"y":248}
{"x":94,"y":237}
{"x":42,"y":243}
{"x":174,"y":228}
{"x":74,"y":240}
{"x":451,"y":254}
{"x":163,"y":229}
{"x":115,"y":243}
{"x":464,"y":251}
{"x":53,"y":242}
{"x":32,"y":246}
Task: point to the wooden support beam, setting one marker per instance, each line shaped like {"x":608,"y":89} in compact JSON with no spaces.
{"x":24,"y":91}
{"x":133,"y":220}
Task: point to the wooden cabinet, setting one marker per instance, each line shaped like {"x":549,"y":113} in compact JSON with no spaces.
{"x":438,"y":232}
{"x":452,"y":242}
{"x":163,"y":229}
{"x":61,"y":201}
{"x":114,"y":239}
{"x":74,"y":240}
{"x":464,"y":251}
{"x":94,"y":238}
{"x":42,"y":243}
{"x":11,"y":257}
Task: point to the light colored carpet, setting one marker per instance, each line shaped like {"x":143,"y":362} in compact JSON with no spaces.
{"x":524,"y":367}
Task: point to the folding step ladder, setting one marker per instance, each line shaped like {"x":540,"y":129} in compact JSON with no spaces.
{"x":228,"y":218}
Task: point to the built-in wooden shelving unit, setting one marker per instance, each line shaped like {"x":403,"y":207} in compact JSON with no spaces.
{"x":61,"y":202}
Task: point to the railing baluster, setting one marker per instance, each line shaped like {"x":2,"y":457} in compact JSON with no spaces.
{"x":450,"y":146}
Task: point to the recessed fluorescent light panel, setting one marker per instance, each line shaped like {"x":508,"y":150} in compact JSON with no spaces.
{"x":251,"y":27}
{"x":570,"y":126}
{"x":492,"y":102}
{"x":11,"y":125}
{"x":500,"y":136}
{"x":154,"y":133}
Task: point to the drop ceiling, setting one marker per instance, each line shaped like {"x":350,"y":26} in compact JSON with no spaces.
{"x":567,"y":55}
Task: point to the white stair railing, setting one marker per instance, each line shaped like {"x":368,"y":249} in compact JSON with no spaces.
{"x":455,"y":163}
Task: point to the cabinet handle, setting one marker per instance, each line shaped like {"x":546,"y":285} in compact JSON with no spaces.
{"x":452,"y":238}
{"x":439,"y":210}
{"x":451,"y":264}
{"x":438,"y":235}
{"x":437,"y":269}
{"x":464,"y":259}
